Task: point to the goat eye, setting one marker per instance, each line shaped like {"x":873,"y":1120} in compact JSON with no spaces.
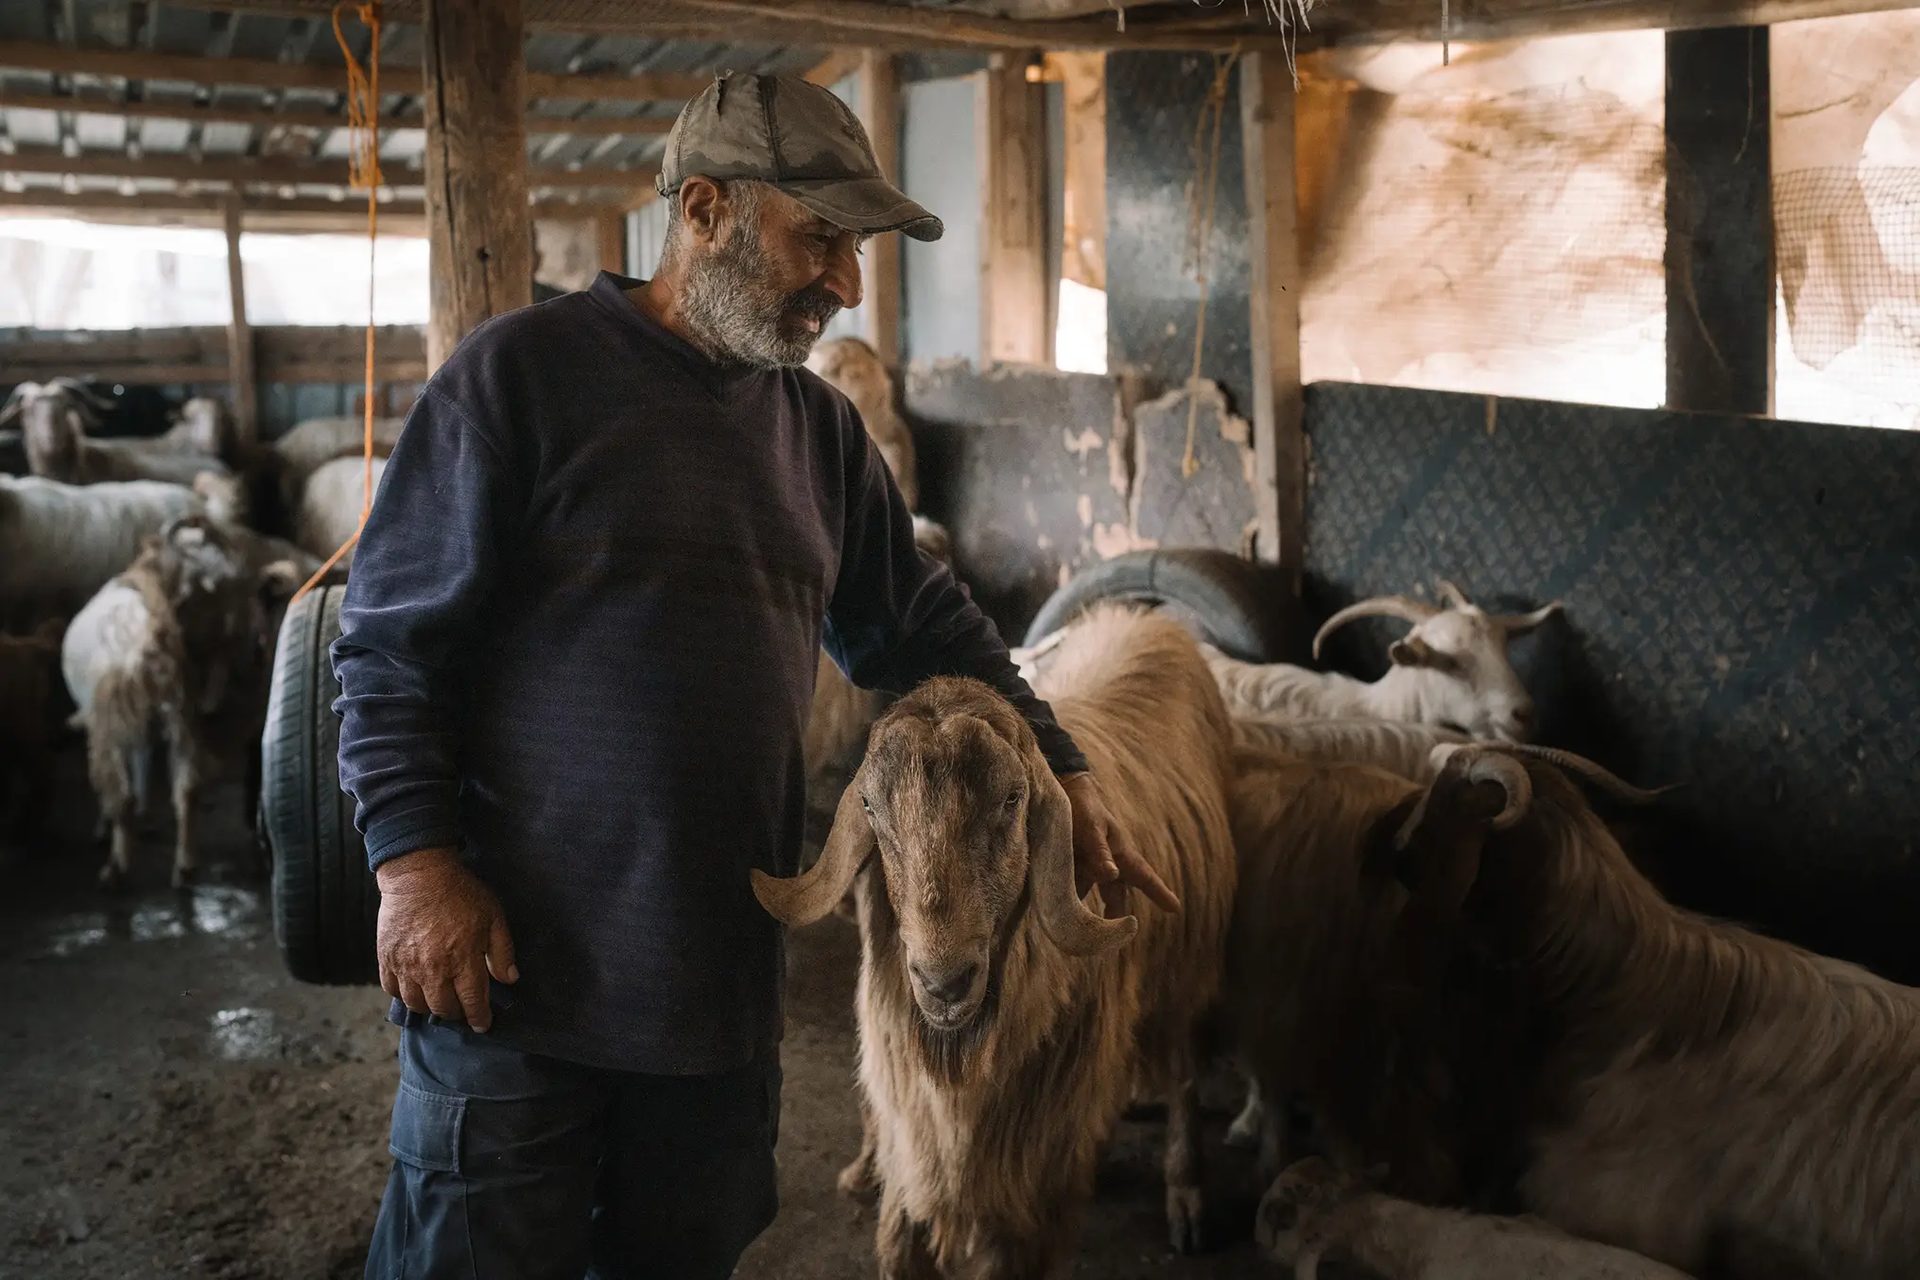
{"x":867,"y":807}
{"x":1012,"y":801}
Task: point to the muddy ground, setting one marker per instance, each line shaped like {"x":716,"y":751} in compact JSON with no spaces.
{"x":172,"y":1104}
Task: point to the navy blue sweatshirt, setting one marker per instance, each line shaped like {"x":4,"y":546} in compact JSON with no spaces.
{"x":578,"y":642}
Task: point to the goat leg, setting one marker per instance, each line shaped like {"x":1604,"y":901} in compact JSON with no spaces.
{"x":1185,"y":1202}
{"x":1249,"y":1126}
{"x":860,"y":1181}
{"x":186,"y":786}
{"x":900,"y":1244}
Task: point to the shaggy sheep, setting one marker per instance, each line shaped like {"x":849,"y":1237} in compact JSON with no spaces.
{"x":1704,"y":1095}
{"x":54,"y":417}
{"x":60,"y":542}
{"x":174,"y":649}
{"x":329,"y":511}
{"x":1314,"y":1212}
{"x":1397,"y":746}
{"x":1002,"y":1020}
{"x":854,"y":368}
{"x":1450,"y":670}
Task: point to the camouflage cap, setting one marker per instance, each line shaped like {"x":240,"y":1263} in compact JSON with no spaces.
{"x":799,"y":138}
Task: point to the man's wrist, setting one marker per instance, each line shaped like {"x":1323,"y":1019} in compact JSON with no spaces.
{"x":432,"y":861}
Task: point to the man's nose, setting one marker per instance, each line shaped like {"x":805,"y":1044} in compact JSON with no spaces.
{"x":842,"y":278}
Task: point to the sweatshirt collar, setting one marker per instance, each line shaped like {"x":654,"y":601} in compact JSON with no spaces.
{"x":609,"y":292}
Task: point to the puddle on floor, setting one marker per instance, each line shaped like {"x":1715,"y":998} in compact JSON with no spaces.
{"x":212,"y":911}
{"x":246,"y":1035}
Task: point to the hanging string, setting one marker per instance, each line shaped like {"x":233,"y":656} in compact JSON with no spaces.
{"x":363,"y":174}
{"x":1200,"y":208}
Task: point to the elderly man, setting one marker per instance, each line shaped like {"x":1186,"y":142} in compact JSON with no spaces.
{"x":576,"y":659}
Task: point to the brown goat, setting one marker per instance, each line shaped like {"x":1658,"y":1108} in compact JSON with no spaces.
{"x":1002,"y":1020}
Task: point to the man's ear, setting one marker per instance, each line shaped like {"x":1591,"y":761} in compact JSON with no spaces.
{"x":702,"y":205}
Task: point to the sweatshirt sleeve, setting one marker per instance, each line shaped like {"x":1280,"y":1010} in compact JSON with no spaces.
{"x":425,"y":566}
{"x":898,"y":616}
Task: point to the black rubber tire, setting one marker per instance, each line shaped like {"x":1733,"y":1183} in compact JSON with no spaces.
{"x":325,"y":901}
{"x":1234,"y":605}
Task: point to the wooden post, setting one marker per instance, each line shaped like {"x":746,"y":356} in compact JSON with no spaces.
{"x":1013,"y":218}
{"x":477,"y":220}
{"x":611,"y":228}
{"x":246,"y":417}
{"x":880,"y":112}
{"x":1720,"y":265}
{"x":1273,"y":279}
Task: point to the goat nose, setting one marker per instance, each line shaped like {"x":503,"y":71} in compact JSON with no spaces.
{"x":950,"y":986}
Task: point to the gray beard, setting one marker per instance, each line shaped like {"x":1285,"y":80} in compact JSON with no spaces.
{"x":734,"y":316}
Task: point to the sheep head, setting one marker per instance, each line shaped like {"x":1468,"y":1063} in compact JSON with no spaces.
{"x":1457,"y":656}
{"x":53,"y":421}
{"x":971,"y":828}
{"x":854,"y":368}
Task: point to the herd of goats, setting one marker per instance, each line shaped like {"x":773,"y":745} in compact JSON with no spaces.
{"x":1478,"y":1043}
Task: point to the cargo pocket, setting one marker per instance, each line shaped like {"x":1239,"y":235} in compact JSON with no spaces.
{"x":423,"y":1229}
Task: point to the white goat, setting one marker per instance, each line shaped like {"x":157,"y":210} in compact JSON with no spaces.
{"x":855,"y":369}
{"x":174,"y":649}
{"x":60,"y":543}
{"x":1002,"y":1019}
{"x":1450,"y":670}
{"x":311,"y":444}
{"x":329,"y":511}
{"x":54,"y":417}
{"x":1314,"y":1212}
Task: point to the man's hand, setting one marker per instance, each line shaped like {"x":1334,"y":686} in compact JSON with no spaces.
{"x":1103,"y":855}
{"x":441,"y":933}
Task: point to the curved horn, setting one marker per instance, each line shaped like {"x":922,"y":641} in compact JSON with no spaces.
{"x":1481,"y":763}
{"x":1074,"y":927}
{"x":1518,"y":624}
{"x":1405,"y":608}
{"x":1454,"y":596}
{"x":1602,"y":779}
{"x":802,"y":899}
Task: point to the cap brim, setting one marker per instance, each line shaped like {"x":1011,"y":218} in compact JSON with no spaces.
{"x":867,"y":205}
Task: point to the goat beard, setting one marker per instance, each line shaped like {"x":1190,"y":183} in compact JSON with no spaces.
{"x":949,"y":1054}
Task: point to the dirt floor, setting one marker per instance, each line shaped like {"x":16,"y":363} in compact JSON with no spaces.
{"x":172,"y":1104}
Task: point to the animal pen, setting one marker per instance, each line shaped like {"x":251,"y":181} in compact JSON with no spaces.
{"x":1462,"y":374}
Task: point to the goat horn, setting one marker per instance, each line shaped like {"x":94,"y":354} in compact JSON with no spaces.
{"x":1481,"y":764}
{"x":81,"y":391}
{"x":1074,"y":927}
{"x":1454,"y":596}
{"x":1404,"y":608}
{"x":802,"y":899}
{"x":1518,"y":624}
{"x":1603,"y":779}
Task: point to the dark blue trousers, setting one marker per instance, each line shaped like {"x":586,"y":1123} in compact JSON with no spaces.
{"x":515,"y":1166}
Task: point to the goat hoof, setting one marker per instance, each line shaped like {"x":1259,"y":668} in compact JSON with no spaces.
{"x":1185,"y":1217}
{"x":860,"y":1182}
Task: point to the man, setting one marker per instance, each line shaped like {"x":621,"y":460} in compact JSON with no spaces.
{"x":575,"y":661}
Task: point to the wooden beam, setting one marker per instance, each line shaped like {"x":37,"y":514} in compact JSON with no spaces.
{"x":1719,"y":259}
{"x":611,"y":231}
{"x":1273,"y":280}
{"x":139,"y":64}
{"x":1384,"y":21}
{"x":1083,"y":81}
{"x":481,"y":258}
{"x":211,"y":373}
{"x":1012,"y":134}
{"x":880,"y":112}
{"x":837,"y":66}
{"x":863,"y":18}
{"x":278,"y":172}
{"x":246,"y":416}
{"x":148,"y":206}
{"x":295,"y":117}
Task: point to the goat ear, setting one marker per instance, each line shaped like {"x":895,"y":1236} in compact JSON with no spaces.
{"x":1413,"y":651}
{"x":1075,"y":928}
{"x":279,"y":580}
{"x":804,"y":898}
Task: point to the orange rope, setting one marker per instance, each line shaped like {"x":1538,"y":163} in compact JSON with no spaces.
{"x":363,"y":173}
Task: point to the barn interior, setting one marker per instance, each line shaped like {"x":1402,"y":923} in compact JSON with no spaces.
{"x":1250,"y":311}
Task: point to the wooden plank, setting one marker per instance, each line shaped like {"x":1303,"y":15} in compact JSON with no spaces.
{"x":1720,"y":259}
{"x":267,"y":211}
{"x":210,"y":374}
{"x":611,"y":230}
{"x":1083,"y":80}
{"x":246,"y":417}
{"x":278,"y":172}
{"x":863,"y":19}
{"x":296,"y":117}
{"x":1012,"y":137}
{"x":1273,"y":277}
{"x":837,"y":66}
{"x":132,"y":64}
{"x":1385,"y":21}
{"x":880,"y":113}
{"x":477,"y":225}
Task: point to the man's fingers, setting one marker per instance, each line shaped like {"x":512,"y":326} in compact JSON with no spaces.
{"x":500,"y":952}
{"x":471,"y":987}
{"x":412,"y":995}
{"x":442,"y":1000}
{"x":1144,"y":878}
{"x":389,"y":983}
